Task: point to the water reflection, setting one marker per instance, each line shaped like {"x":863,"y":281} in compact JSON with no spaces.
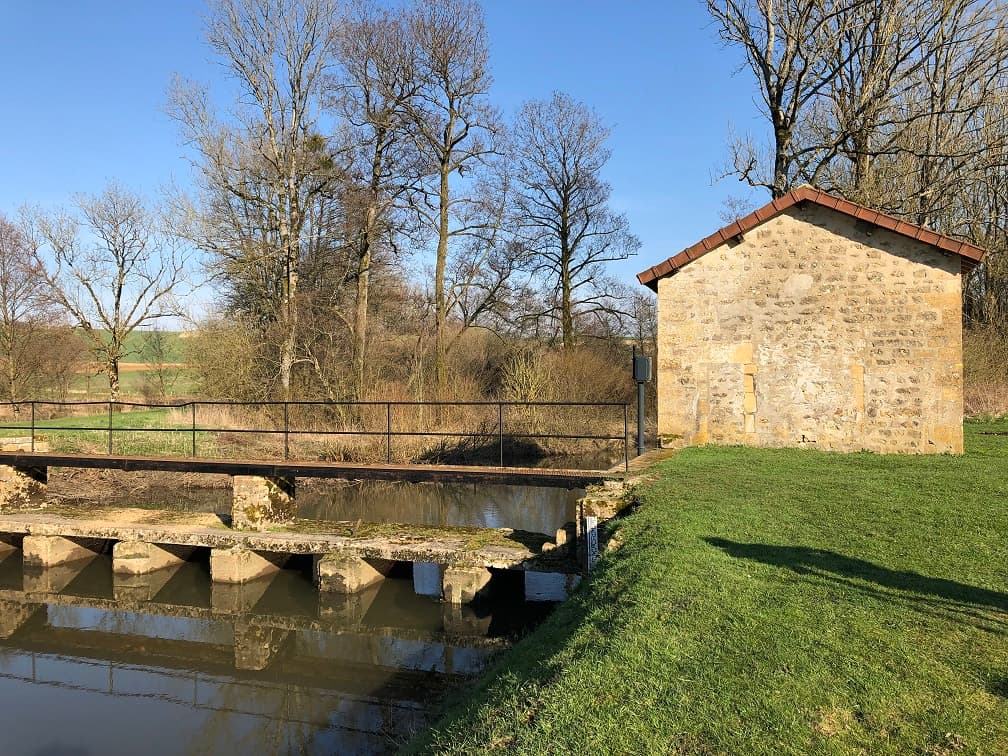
{"x":537,"y":510}
{"x":169,"y":663}
{"x":529,"y":508}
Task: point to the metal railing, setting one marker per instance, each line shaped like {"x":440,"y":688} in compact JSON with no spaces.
{"x":389,"y":432}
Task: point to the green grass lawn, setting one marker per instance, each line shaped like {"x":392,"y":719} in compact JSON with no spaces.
{"x":775,"y":601}
{"x":63,"y":433}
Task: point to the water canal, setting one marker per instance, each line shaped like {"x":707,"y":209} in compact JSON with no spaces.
{"x":171,"y":663}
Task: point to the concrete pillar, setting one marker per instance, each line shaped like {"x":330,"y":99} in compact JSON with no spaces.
{"x":131,"y":586}
{"x":427,"y":579}
{"x":14,"y":615}
{"x":238,"y":598}
{"x":46,"y":551}
{"x":549,"y":586}
{"x":462,"y":621}
{"x":339,"y":573}
{"x":22,"y":487}
{"x":261,"y":502}
{"x":140,"y":558}
{"x":346,"y":610}
{"x":256,"y":647}
{"x":46,"y":579}
{"x":462,"y":584}
{"x":238,"y":565}
{"x":9,"y":543}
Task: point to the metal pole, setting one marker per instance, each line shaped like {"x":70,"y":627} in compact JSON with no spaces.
{"x":110,"y":428}
{"x":500,"y":430}
{"x":286,"y":430}
{"x":194,"y":429}
{"x":626,"y":442}
{"x":640,"y":418}
{"x":33,"y":427}
{"x":388,"y":431}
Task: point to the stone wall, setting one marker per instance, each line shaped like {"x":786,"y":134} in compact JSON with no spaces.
{"x":815,"y":331}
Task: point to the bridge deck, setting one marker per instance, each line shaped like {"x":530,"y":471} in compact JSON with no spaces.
{"x":526,"y":476}
{"x":486,"y":547}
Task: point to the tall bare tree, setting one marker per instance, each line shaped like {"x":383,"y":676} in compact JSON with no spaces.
{"x":264,"y":168}
{"x":110,"y":267}
{"x":26,"y":315}
{"x":857,"y":90}
{"x":373,"y":92}
{"x":791,"y":48}
{"x":563,"y":215}
{"x":455,"y":128}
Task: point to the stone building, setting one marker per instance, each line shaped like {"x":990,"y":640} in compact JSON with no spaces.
{"x":813,"y":322}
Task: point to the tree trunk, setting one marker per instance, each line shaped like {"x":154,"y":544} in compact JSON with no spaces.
{"x":567,"y":317}
{"x":441,"y":336}
{"x":361,"y":314}
{"x":782,"y":139}
{"x":112,"y":368}
{"x":290,"y":248}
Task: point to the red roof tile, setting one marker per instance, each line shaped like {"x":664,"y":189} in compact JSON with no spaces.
{"x":971,"y":255}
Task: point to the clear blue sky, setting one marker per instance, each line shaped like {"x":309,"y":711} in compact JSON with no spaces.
{"x":84,"y":85}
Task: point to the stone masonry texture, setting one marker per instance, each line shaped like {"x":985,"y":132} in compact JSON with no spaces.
{"x":813,"y":331}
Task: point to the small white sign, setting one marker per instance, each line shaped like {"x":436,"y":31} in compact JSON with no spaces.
{"x":591,"y":536}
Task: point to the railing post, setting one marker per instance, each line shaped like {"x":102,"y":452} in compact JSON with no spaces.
{"x":110,"y":428}
{"x":626,"y":439}
{"x":500,"y":430}
{"x":286,"y":430}
{"x":388,"y":431}
{"x":193,"y":405}
{"x":33,"y":427}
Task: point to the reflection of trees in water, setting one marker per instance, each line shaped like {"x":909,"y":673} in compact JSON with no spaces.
{"x":540,"y":510}
{"x":231,"y":728}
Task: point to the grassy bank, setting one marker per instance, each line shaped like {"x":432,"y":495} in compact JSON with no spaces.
{"x":775,"y":601}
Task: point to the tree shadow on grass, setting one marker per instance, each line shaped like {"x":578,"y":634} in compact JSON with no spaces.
{"x":915,"y":589}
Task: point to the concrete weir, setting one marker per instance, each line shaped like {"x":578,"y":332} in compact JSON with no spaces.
{"x":262,"y":533}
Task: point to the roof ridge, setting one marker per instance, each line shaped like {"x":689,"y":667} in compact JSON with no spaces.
{"x":971,"y":254}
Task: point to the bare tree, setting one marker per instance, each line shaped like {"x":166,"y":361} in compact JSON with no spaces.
{"x":855,"y":91}
{"x":26,"y":316}
{"x":455,"y":128}
{"x":108,"y":265}
{"x":265,"y":168}
{"x":373,"y":92}
{"x":791,"y":48}
{"x":563,"y":215}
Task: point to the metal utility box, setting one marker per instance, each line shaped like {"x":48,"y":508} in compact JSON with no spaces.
{"x":642,"y":368}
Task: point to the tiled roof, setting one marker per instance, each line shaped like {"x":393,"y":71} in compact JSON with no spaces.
{"x":970,"y":254}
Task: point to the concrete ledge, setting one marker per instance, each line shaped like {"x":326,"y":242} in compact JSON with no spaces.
{"x":140,"y":558}
{"x":45,"y":551}
{"x":238,"y":565}
{"x":461,"y":585}
{"x":337,"y":573}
